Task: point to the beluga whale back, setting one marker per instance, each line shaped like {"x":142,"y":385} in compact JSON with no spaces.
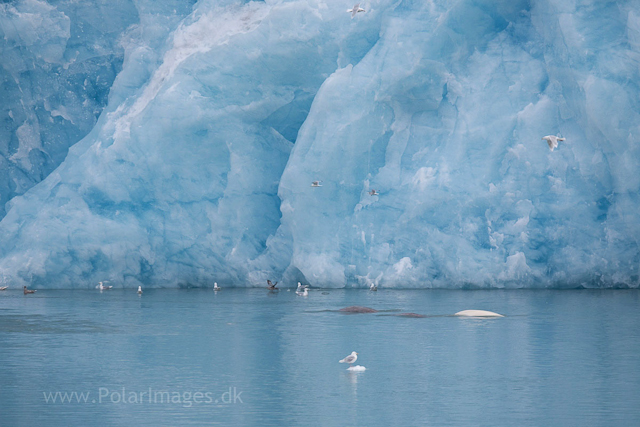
{"x":477,"y":313}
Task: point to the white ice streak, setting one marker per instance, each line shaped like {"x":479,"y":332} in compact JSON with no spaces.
{"x":210,"y":29}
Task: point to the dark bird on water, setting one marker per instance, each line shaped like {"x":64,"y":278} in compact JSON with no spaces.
{"x":271,"y":286}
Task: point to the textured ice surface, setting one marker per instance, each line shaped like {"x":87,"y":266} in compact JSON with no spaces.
{"x":58,"y":63}
{"x":59,"y":60}
{"x":199,"y":168}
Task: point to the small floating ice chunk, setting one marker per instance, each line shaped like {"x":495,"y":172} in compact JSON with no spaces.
{"x":477,"y":313}
{"x":357,"y":368}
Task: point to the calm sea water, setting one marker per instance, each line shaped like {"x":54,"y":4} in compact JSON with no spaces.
{"x":248,"y":357}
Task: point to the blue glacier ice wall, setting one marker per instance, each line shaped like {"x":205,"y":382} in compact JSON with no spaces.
{"x":199,"y":168}
{"x":177,"y":183}
{"x":59,"y":59}
{"x":58,"y":63}
{"x":444,"y":117}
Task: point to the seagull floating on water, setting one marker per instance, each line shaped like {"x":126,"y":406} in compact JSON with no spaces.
{"x":373,"y":287}
{"x":374,"y":193}
{"x":271,"y":286}
{"x":552,"y":140}
{"x":139,"y":290}
{"x":350,"y":359}
{"x":27,"y":291}
{"x":303,"y":293}
{"x":356,"y":8}
{"x":216,"y":287}
{"x":102,"y":287}
{"x":316,"y":183}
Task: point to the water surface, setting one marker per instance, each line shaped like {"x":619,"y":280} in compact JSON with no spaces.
{"x":558,"y":358}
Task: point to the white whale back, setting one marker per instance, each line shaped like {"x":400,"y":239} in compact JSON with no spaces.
{"x":477,"y":313}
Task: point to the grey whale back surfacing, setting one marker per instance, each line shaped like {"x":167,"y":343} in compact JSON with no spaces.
{"x":357,"y":309}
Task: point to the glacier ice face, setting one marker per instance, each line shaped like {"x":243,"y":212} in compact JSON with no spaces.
{"x":59,"y":61}
{"x":178,"y":181}
{"x":447,"y":127}
{"x":191,"y":173}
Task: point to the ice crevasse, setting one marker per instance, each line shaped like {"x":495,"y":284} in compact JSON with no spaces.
{"x":199,"y":168}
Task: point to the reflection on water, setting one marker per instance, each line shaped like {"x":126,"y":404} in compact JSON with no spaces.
{"x":249,"y":357}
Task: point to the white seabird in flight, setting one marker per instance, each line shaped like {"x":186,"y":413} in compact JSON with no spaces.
{"x":374,"y":193}
{"x":552,"y":140}
{"x":316,"y":183}
{"x":356,"y":8}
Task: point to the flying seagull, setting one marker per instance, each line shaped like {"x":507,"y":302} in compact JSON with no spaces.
{"x":355,"y":10}
{"x":350,"y":359}
{"x":316,"y":183}
{"x":374,"y":193}
{"x":271,"y":286}
{"x":3,"y":288}
{"x":552,"y":140}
